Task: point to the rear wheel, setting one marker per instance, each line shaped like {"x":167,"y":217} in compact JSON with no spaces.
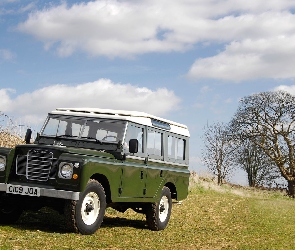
{"x":158,"y":213}
{"x":86,"y":215}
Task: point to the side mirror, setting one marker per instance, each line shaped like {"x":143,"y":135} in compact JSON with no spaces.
{"x":133,"y":146}
{"x":28,"y":136}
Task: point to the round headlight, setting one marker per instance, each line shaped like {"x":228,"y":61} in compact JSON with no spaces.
{"x":2,"y":163}
{"x":66,"y":170}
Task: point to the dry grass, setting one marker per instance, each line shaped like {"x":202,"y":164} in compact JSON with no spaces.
{"x":210,"y":218}
{"x":209,"y":183}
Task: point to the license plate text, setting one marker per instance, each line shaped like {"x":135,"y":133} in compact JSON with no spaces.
{"x":23,"y":190}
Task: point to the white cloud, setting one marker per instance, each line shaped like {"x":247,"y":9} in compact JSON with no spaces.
{"x":290,"y":89}
{"x":8,"y":1}
{"x":126,"y":28}
{"x":27,"y":7}
{"x":4,"y":98}
{"x":33,"y":107}
{"x":205,"y":89}
{"x":11,"y":7}
{"x":228,"y":100}
{"x":6,"y":55}
{"x":108,"y":28}
{"x":259,"y":37}
{"x":249,"y":59}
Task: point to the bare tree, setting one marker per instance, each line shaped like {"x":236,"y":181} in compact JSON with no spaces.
{"x":267,"y":119}
{"x":217,"y":152}
{"x":260,"y":169}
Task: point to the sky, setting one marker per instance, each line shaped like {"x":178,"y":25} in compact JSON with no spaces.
{"x":189,"y":61}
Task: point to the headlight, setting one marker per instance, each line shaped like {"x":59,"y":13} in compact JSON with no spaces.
{"x":2,"y":163}
{"x":65,"y":170}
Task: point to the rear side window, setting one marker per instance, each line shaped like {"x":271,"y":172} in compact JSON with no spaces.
{"x":176,"y":148}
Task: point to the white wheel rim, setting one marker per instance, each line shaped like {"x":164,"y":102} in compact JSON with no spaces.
{"x":163,"y":208}
{"x":90,"y":208}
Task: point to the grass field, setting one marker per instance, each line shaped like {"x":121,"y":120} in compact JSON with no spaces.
{"x":210,"y":218}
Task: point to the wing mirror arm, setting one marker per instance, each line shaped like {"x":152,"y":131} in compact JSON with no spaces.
{"x":28,"y":136}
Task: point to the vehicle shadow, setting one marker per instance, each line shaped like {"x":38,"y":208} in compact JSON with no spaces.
{"x":45,"y":220}
{"x":50,"y":221}
{"x":123,"y":222}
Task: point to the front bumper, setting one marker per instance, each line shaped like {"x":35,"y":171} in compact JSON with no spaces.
{"x":62,"y":194}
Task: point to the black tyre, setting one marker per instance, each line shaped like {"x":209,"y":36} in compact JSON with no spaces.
{"x":86,"y":215}
{"x":158,"y":214}
{"x":10,"y":211}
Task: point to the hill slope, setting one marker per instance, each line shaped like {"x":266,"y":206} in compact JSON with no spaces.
{"x":211,"y":217}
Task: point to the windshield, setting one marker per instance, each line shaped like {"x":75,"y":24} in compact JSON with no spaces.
{"x":103,"y":130}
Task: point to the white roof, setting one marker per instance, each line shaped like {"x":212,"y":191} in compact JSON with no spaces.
{"x":135,"y":116}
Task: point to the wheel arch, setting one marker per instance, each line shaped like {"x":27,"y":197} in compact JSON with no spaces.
{"x":102,"y":179}
{"x":173,"y":190}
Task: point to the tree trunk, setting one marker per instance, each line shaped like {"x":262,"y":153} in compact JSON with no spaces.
{"x":291,"y":189}
{"x":219,"y":177}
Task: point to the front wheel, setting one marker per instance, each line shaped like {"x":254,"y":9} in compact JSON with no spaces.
{"x":158,"y":213}
{"x":10,"y":210}
{"x":86,"y":215}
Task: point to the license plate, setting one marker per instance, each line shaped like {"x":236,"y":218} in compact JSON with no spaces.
{"x":22,"y":190}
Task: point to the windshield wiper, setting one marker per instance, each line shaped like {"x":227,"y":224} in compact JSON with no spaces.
{"x":58,"y":136}
{"x":91,"y":138}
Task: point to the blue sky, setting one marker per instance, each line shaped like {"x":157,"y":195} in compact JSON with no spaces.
{"x":189,"y":61}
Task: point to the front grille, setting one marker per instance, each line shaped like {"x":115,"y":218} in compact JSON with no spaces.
{"x":36,"y":165}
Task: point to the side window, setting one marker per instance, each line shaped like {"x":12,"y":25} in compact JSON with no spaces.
{"x":154,"y":143}
{"x":134,"y":132}
{"x":171,"y":147}
{"x":176,"y":148}
{"x":180,"y":149}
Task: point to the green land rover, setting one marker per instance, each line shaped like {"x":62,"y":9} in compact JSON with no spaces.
{"x":85,"y":160}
